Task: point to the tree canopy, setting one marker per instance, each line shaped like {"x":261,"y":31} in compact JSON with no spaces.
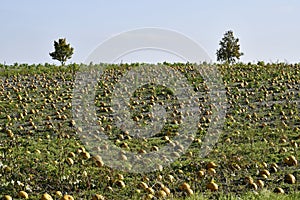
{"x":229,"y":48}
{"x":62,"y":51}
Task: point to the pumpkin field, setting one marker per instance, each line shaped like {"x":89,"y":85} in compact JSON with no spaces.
{"x":42,"y":154}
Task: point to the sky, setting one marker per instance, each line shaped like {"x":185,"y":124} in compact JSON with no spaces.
{"x":268,"y":30}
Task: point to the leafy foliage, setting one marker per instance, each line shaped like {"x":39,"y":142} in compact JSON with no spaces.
{"x":63,"y":51}
{"x":230,"y":48}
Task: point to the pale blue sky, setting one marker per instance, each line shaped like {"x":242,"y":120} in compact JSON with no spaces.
{"x":269,"y":30}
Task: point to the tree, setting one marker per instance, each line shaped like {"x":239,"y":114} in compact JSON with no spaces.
{"x":62,"y":52}
{"x":230,"y":48}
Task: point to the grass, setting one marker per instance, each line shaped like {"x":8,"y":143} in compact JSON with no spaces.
{"x":262,"y":195}
{"x":261,"y":129}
